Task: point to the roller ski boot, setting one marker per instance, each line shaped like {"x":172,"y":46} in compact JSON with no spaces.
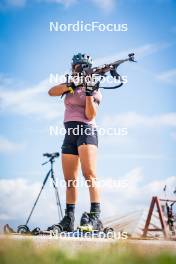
{"x":91,"y":225}
{"x":90,"y":222}
{"x":65,"y":225}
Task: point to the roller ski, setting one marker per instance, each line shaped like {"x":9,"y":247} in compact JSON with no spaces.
{"x":89,"y":223}
{"x":22,"y":230}
{"x":90,"y":227}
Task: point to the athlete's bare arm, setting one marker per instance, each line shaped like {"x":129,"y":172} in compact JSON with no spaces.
{"x":91,"y":108}
{"x":58,"y":90}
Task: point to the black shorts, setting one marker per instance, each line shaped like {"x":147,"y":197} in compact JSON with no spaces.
{"x":78,"y":133}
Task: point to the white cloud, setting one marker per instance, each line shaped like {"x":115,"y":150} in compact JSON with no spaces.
{"x":35,"y":101}
{"x":140,"y":52}
{"x":137,"y":194}
{"x":12,"y":3}
{"x":22,"y":3}
{"x":66,"y":3}
{"x":106,"y":5}
{"x":151,"y":48}
{"x":132,"y":119}
{"x":7,"y":146}
{"x":173,"y":136}
{"x":17,"y":197}
{"x":17,"y":3}
{"x":32,"y":101}
{"x":168,"y":76}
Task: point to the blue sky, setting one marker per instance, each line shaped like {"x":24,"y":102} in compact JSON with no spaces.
{"x":146,"y":105}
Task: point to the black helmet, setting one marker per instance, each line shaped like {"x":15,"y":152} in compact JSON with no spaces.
{"x":82,"y":59}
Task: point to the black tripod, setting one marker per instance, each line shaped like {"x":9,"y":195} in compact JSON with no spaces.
{"x":51,"y":156}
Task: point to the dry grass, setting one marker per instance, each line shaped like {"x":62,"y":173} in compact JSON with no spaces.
{"x":25,"y":252}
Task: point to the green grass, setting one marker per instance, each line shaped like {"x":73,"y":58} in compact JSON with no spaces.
{"x":19,"y":252}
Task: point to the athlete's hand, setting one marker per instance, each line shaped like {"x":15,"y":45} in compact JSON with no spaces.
{"x":89,"y":90}
{"x":72,"y":85}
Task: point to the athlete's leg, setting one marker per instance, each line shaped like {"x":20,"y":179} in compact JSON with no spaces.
{"x":70,"y":165}
{"x":87,"y":155}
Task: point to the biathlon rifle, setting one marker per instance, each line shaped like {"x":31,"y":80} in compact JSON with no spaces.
{"x":102,"y":70}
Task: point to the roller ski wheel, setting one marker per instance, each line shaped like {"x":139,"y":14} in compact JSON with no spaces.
{"x":36,"y":231}
{"x":57,"y":229}
{"x":107,"y":230}
{"x":23,"y":229}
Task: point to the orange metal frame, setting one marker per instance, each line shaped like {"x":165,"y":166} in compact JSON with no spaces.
{"x":164,"y":228}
